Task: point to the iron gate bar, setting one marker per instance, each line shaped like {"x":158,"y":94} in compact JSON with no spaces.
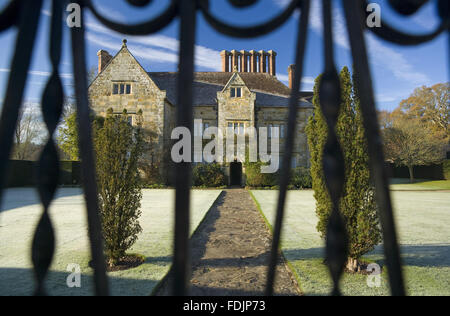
{"x":9,"y":16}
{"x":185,"y":78}
{"x":336,"y":249}
{"x":388,"y":33}
{"x":43,"y":245}
{"x":87,"y":158}
{"x":26,"y":17}
{"x":249,"y":31}
{"x":292,"y":122}
{"x":144,"y":28}
{"x":375,"y":147}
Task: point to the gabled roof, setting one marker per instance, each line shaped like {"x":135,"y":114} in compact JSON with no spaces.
{"x":269,"y":90}
{"x":255,"y":81}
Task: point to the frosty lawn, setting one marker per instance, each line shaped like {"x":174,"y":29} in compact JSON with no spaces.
{"x":419,"y":185}
{"x":21,"y":210}
{"x":423,"y":221}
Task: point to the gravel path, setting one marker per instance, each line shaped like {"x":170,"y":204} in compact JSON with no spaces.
{"x":230,"y":251}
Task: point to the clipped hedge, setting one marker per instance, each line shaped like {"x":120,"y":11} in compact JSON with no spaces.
{"x":254,"y":177}
{"x":22,"y":173}
{"x":446,"y":169}
{"x":208,"y":175}
{"x":301,"y":178}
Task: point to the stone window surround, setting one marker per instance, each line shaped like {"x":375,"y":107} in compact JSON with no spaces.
{"x":234,"y":92}
{"x":119,"y":83}
{"x":131,"y":117}
{"x":203,"y":126}
{"x":280,"y":124}
{"x":238,"y":124}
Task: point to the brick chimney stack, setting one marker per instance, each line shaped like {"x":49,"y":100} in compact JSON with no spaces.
{"x":272,"y":62}
{"x":244,"y":61}
{"x":254,"y":61}
{"x":225,"y":56}
{"x":103,"y":59}
{"x":262,"y":61}
{"x":291,"y":74}
{"x":249,"y":61}
{"x":235,"y":56}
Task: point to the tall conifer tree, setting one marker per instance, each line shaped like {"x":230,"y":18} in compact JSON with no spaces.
{"x":357,"y":205}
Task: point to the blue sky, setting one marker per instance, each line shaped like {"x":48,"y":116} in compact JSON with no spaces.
{"x":396,"y":70}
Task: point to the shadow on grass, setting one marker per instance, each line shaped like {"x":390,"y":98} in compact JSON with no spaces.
{"x":20,"y":282}
{"x":14,"y":198}
{"x":429,"y":255}
{"x":407,"y":181}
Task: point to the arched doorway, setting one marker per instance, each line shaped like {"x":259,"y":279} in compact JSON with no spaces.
{"x":235,"y":173}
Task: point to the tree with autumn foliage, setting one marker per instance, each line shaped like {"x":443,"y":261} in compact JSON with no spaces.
{"x":417,"y":131}
{"x":429,"y":105}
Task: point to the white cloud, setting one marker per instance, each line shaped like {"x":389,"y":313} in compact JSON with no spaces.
{"x":395,"y":62}
{"x":380,"y":54}
{"x":157,"y":48}
{"x":42,"y":73}
{"x":138,"y":50}
{"x":307,"y":82}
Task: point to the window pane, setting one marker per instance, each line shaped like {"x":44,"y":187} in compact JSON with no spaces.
{"x":122,"y":89}
{"x":294,"y":162}
{"x":238,"y":92}
{"x":241,"y":128}
{"x":128,"y":91}
{"x":130,"y":120}
{"x":282,"y":131}
{"x":198,"y":129}
{"x":232,"y":92}
{"x":115,"y":88}
{"x":276,"y":131}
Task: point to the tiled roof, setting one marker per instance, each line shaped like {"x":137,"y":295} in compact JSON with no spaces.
{"x":269,"y":90}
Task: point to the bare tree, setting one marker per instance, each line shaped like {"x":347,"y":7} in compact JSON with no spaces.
{"x":27,"y":136}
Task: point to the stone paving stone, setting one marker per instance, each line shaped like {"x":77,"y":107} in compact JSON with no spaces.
{"x":230,"y":252}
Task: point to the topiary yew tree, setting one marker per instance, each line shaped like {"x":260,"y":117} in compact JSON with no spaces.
{"x":118,"y":147}
{"x":357,"y":205}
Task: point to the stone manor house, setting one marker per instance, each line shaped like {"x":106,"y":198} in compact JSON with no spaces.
{"x":246,"y":93}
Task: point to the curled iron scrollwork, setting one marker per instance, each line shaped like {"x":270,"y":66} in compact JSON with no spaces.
{"x":24,"y":14}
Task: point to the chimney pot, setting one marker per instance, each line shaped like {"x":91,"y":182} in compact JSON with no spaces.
{"x":103,"y":59}
{"x":291,"y":74}
{"x":262,"y":61}
{"x":225,"y":56}
{"x":235,"y":56}
{"x":272,"y":62}
{"x":254,"y":61}
{"x":244,"y":61}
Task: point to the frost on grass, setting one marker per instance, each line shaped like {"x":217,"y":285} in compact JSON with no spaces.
{"x":21,"y":211}
{"x":422,"y":221}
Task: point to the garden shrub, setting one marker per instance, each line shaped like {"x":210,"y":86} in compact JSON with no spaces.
{"x":151,"y":173}
{"x":254,"y":177}
{"x":118,"y":147}
{"x":301,"y":178}
{"x":446,"y":169}
{"x":208,"y":175}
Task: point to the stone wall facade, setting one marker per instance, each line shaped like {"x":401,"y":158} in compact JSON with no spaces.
{"x":159,"y":114}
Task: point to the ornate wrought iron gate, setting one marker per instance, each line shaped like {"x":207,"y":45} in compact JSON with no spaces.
{"x":24,"y":15}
